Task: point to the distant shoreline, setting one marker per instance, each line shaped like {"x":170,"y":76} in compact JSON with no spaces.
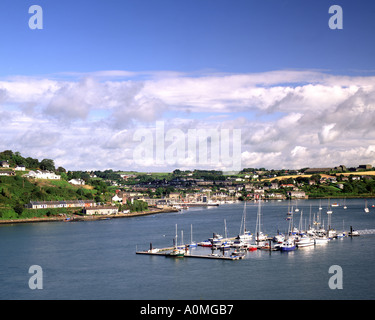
{"x":76,"y":218}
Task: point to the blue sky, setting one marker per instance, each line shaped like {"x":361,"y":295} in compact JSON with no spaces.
{"x":260,"y":66}
{"x":227,"y":36}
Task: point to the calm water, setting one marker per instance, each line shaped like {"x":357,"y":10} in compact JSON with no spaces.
{"x":97,"y":260}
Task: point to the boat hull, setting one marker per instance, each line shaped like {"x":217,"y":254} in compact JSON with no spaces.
{"x":288,"y":248}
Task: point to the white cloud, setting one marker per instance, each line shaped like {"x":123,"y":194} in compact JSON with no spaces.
{"x":302,"y":118}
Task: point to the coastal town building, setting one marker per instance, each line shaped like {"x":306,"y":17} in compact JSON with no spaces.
{"x":60,"y":204}
{"x":104,"y":210}
{"x":365,"y":166}
{"x":298,"y":195}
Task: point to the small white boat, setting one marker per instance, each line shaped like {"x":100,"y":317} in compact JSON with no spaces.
{"x":205,"y":243}
{"x":367,"y":210}
{"x":238,"y":253}
{"x":321,"y":240}
{"x":341,"y":235}
{"x":354,"y":233}
{"x":247,"y":236}
{"x":239,"y":243}
{"x":192,"y":244}
{"x":332,"y":233}
{"x":261,"y":237}
{"x":177,"y":252}
{"x":279,"y":238}
{"x":305,"y":241}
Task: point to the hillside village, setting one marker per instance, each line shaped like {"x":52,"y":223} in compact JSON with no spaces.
{"x":109,"y":192}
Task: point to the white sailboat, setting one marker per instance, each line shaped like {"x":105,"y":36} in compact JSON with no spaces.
{"x":296,"y":209}
{"x":258,"y":233}
{"x":177,"y":252}
{"x":244,"y":235}
{"x":192,"y":243}
{"x":329,"y":209}
{"x":367,"y":210}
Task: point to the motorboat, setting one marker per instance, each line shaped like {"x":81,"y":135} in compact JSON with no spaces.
{"x":261,"y":236}
{"x":321,"y":240}
{"x":238,"y":253}
{"x":331,"y":233}
{"x":304,"y":241}
{"x":205,"y":243}
{"x":247,"y":236}
{"x":288,"y":245}
{"x":239,"y":243}
{"x":176,"y":252}
{"x":279,"y":238}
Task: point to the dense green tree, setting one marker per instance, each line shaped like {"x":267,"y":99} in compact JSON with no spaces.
{"x":47,"y":164}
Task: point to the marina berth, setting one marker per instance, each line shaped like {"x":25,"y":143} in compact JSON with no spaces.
{"x":306,"y":235}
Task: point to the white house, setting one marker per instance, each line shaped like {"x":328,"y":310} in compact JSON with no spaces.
{"x":43,"y":174}
{"x":116,"y":198}
{"x":4,"y":164}
{"x":77,"y":182}
{"x":20,"y":168}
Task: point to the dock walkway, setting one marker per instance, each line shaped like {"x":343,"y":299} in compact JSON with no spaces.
{"x":210,"y":256}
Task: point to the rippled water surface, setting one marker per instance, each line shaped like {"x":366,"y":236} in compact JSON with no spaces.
{"x":97,"y":260}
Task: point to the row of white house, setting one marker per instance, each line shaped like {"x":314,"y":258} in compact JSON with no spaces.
{"x":5,"y":164}
{"x":42,"y":174}
{"x":60,"y":204}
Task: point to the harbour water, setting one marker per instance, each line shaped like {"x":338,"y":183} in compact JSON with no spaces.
{"x":97,"y":260}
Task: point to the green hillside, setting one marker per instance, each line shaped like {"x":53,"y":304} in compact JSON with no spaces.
{"x":16,"y":191}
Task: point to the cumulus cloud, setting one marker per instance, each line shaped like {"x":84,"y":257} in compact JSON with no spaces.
{"x":287,"y":118}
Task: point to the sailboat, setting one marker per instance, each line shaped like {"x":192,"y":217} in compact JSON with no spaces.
{"x":177,"y":252}
{"x":345,"y":207}
{"x":259,"y":234}
{"x":367,"y":210}
{"x":288,"y":244}
{"x":192,"y":243}
{"x":341,"y":234}
{"x":296,"y":209}
{"x":244,"y":235}
{"x":329,"y":211}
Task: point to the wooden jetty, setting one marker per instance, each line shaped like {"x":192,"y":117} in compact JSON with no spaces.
{"x":162,"y":252}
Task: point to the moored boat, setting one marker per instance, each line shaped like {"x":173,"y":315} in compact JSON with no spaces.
{"x":321,"y":240}
{"x":176,"y":252}
{"x":304,"y":241}
{"x":288,"y":245}
{"x":279,"y":238}
{"x":205,"y":243}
